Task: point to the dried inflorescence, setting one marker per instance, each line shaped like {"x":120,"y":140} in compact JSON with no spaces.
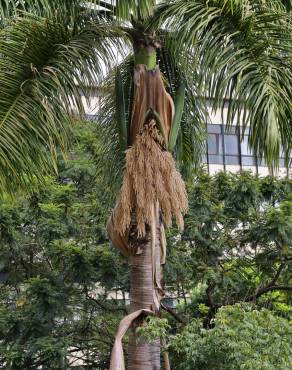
{"x":150,"y":175}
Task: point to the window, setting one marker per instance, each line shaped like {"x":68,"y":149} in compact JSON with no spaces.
{"x":232,"y":159}
{"x":282,"y":162}
{"x":231,"y":144}
{"x":212,"y":144}
{"x":214,"y":129}
{"x":216,"y":159}
{"x":215,"y":148}
{"x":248,"y":161}
{"x":247,"y":158}
{"x":236,"y":149}
{"x":245,"y":150}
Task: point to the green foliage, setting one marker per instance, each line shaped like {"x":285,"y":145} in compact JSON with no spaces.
{"x":121,"y":114}
{"x":236,"y":245}
{"x":42,"y":84}
{"x":58,"y":302}
{"x":179,"y":107}
{"x":243,"y":339}
{"x":155,"y":328}
{"x":112,"y":127}
{"x":52,"y":50}
{"x":59,"y":268}
{"x":242,"y":52}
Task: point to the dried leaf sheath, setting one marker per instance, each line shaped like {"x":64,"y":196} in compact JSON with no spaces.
{"x":150,"y":93}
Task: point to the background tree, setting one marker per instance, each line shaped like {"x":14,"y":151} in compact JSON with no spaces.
{"x":64,"y":289}
{"x":57,"y":268}
{"x":236,"y":246}
{"x":243,"y":338}
{"x":221,"y":49}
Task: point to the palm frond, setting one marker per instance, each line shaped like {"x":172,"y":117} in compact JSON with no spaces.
{"x":190,"y":143}
{"x":139,"y":10}
{"x":242,"y":51}
{"x":126,"y":10}
{"x":121,"y":110}
{"x":179,"y":107}
{"x":10,"y":8}
{"x":109,"y":124}
{"x":45,"y":66}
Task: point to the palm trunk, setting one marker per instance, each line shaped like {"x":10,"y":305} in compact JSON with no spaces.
{"x":143,"y":294}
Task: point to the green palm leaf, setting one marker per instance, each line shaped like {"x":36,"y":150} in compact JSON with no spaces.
{"x":126,"y":10}
{"x":191,"y":133}
{"x":220,"y":49}
{"x":242,"y":51}
{"x":111,"y":127}
{"x":45,"y":65}
{"x":9,"y":8}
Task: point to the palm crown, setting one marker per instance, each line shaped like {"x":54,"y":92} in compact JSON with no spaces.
{"x":52,"y":52}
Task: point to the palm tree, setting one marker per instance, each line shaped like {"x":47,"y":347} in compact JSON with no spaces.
{"x":173,"y":55}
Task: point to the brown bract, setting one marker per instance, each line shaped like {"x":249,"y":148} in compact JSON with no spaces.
{"x":149,"y":93}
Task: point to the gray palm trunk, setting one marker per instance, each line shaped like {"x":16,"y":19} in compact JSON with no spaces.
{"x":141,"y":354}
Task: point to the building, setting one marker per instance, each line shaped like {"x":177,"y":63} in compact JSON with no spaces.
{"x":227,"y":151}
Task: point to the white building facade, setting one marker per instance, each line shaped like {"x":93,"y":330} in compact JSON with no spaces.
{"x":228,"y":151}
